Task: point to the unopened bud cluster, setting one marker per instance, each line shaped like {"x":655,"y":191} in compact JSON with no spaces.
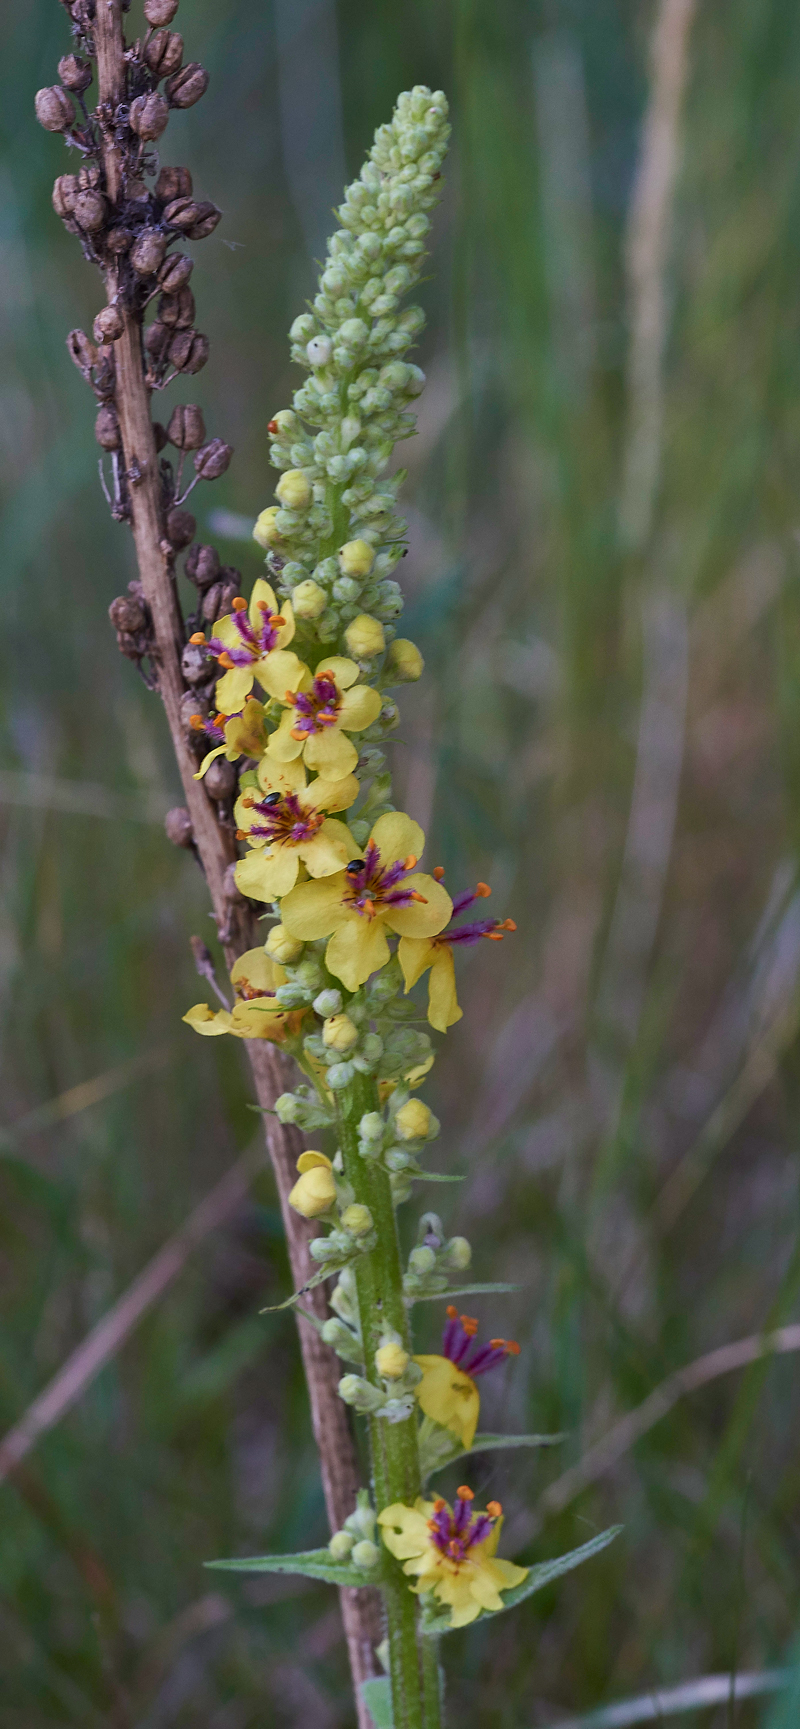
{"x":355,"y":1543}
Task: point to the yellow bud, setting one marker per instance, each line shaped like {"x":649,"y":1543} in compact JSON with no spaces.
{"x":339,"y":1033}
{"x":412,"y":1121}
{"x":391,"y":1361}
{"x":364,"y":637}
{"x":265,"y":531}
{"x":294,"y":490}
{"x":405,"y":660}
{"x":357,"y":1219}
{"x":308,"y":599}
{"x":356,"y":558}
{"x":281,"y":947}
{"x":314,"y":1192}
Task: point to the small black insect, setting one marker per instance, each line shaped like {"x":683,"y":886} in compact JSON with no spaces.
{"x":355,"y":866}
{"x":272,"y":798}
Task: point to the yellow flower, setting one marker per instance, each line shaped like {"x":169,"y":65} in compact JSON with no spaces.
{"x":251,"y":643}
{"x":255,"y":1013}
{"x":320,"y":711}
{"x":287,"y":825}
{"x":315,"y":1190}
{"x":452,"y":1552}
{"x":416,"y":955}
{"x":375,"y":894}
{"x":242,"y":734}
{"x":449,"y":1397}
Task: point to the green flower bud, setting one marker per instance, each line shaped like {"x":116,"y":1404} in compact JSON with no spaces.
{"x":341,"y":1545}
{"x":421,"y":1261}
{"x":339,"y":1033}
{"x":319,"y":350}
{"x":365,"y":1555}
{"x":309,"y":600}
{"x":294,"y":490}
{"x":371,"y":1126}
{"x":458,"y":1254}
{"x":283,"y":948}
{"x":328,"y":1003}
{"x":357,"y":1219}
{"x":340,"y":1075}
{"x":356,"y":558}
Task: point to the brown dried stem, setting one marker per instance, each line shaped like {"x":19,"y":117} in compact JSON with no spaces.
{"x":215,"y":844}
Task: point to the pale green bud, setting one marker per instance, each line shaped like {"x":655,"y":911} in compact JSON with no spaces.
{"x":283,"y":948}
{"x":357,"y":1219}
{"x":422,"y":1261}
{"x":371,"y":1126}
{"x":319,"y":350}
{"x":294,"y":490}
{"x":413,"y":1121}
{"x":308,"y":599}
{"x":339,"y":1033}
{"x":265,"y":531}
{"x":366,"y":1555}
{"x":341,"y":1545}
{"x":356,"y":558}
{"x":458,"y":1253}
{"x":405,"y":660}
{"x":364,"y":637}
{"x":328,"y":1003}
{"x":340,"y":1075}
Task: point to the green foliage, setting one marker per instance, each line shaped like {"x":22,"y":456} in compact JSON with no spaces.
{"x":313,"y":1564}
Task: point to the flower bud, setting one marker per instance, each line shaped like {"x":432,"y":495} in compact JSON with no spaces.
{"x":186,"y":430}
{"x":308,"y":599}
{"x":356,"y":558}
{"x":355,"y":1391}
{"x":413,"y":1121}
{"x":196,"y":663}
{"x":181,"y":528}
{"x":202,"y":565}
{"x":315,"y":1190}
{"x":371,"y":1126}
{"x":160,"y":12}
{"x":178,"y":826}
{"x":328,"y":1003}
{"x":421,"y":1261}
{"x":265,"y":531}
{"x":365,"y":1555}
{"x":219,"y":779}
{"x":339,"y":1034}
{"x":391,"y":1361}
{"x":213,"y":459}
{"x":149,"y":115}
{"x":65,"y":190}
{"x":177,"y":310}
{"x":339,"y":1076}
{"x":189,"y":350}
{"x":173,"y":183}
{"x":281,"y":947}
{"x":186,"y":87}
{"x":319,"y":350}
{"x":357,"y":1220}
{"x":458,"y":1254}
{"x":164,"y":53}
{"x":294,"y":490}
{"x":175,"y":272}
{"x":54,"y":110}
{"x":147,"y":251}
{"x":405,"y":660}
{"x":108,"y":323}
{"x":75,"y":73}
{"x":106,"y":428}
{"x":340,"y":1545}
{"x":364,"y":637}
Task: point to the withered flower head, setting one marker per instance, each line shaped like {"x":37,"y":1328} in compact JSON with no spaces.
{"x":149,"y":115}
{"x":186,"y":428}
{"x":147,"y":251}
{"x":186,"y":87}
{"x":54,"y":110}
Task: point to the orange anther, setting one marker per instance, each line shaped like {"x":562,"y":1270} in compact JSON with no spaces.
{"x":497,"y":1344}
{"x":248,"y":802}
{"x":289,"y":696}
{"x":439,"y":1505}
{"x":297,"y":732}
{"x":239,"y":603}
{"x":409,"y":863}
{"x":482,"y":891}
{"x":369,"y":908}
{"x":241,"y":834}
{"x":494,"y":936}
{"x":225,"y":660}
{"x":508,"y":925}
{"x":196,"y":720}
{"x":465,"y":1494}
{"x":512,"y":1348}
{"x":198,"y":637}
{"x":451,"y":1311}
{"x":277,"y":618}
{"x":494,"y":1508}
{"x":438,"y":871}
{"x":470,"y":1325}
{"x":416,"y":896}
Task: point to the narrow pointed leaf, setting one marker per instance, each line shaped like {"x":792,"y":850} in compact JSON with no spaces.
{"x":545,"y":1572}
{"x":312,"y":1563}
{"x":275,"y":1308}
{"x":377,"y":1696}
{"x":488,"y":1443}
{"x":459,"y":1291}
{"x":434,"y":1177}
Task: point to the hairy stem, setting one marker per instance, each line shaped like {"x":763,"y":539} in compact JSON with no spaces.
{"x":272,"y":1073}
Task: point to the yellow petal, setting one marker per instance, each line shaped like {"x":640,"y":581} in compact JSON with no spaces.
{"x":282,"y":747}
{"x":344,"y":671}
{"x":207,"y":760}
{"x":225,"y":630}
{"x":266,"y":876}
{"x":397,"y":836}
{"x":324,"y":854}
{"x":309,"y":1161}
{"x":331,"y":753}
{"x":423,"y":918}
{"x":261,"y":592}
{"x":331,"y":794}
{"x":449,"y":1397}
{"x":314,"y":909}
{"x":281,"y":776}
{"x":405,"y":1529}
{"x":203,"y":1020}
{"x":443,"y":1009}
{"x":356,"y":949}
{"x":279,"y":671}
{"x":415,"y":954}
{"x":261,"y":1019}
{"x":256,"y":968}
{"x":246,"y":733}
{"x":359,"y":708}
{"x":233,"y":689}
{"x":286,"y":631}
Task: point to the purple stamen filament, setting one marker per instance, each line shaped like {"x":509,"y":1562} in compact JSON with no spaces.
{"x":285,"y":821}
{"x":315,"y":709}
{"x":371,"y":886}
{"x":455,"y":1533}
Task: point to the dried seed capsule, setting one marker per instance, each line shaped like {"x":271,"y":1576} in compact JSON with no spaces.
{"x":75,"y":73}
{"x":105,"y":374}
{"x":192,"y":703}
{"x":189,"y":350}
{"x":186,"y":87}
{"x":212,"y":459}
{"x":175,"y":272}
{"x":65,"y":191}
{"x":119,"y":239}
{"x":81,"y":351}
{"x":127,"y":613}
{"x":181,"y":212}
{"x":160,"y":435}
{"x":54,"y":110}
{"x":160,"y":12}
{"x":219,"y":779}
{"x":173,"y":183}
{"x":157,"y":340}
{"x":89,"y":210}
{"x":149,"y":115}
{"x":202,"y":565}
{"x":211,"y":607}
{"x":186,"y":428}
{"x":177,"y":310}
{"x":164,"y":53}
{"x":219,"y":598}
{"x":195,"y":663}
{"x":107,"y":325}
{"x":206,"y":222}
{"x":178,"y":826}
{"x":129,"y":645}
{"x":181,"y":528}
{"x":147,"y":251}
{"x":106,"y":430}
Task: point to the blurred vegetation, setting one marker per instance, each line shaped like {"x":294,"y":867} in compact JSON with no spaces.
{"x":608,"y":736}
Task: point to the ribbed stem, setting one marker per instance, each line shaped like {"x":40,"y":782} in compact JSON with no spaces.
{"x":394,"y":1450}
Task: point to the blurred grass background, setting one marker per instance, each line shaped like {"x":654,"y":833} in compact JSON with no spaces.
{"x":608,"y":732}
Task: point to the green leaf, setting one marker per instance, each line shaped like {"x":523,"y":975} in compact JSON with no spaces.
{"x":326,"y":1273}
{"x":433,"y":1177}
{"x":487,"y":1444}
{"x":545,"y":1573}
{"x":312,"y":1563}
{"x":458,"y":1291}
{"x":377,"y":1696}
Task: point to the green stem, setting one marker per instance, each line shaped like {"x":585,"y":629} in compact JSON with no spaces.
{"x":395,"y":1454}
